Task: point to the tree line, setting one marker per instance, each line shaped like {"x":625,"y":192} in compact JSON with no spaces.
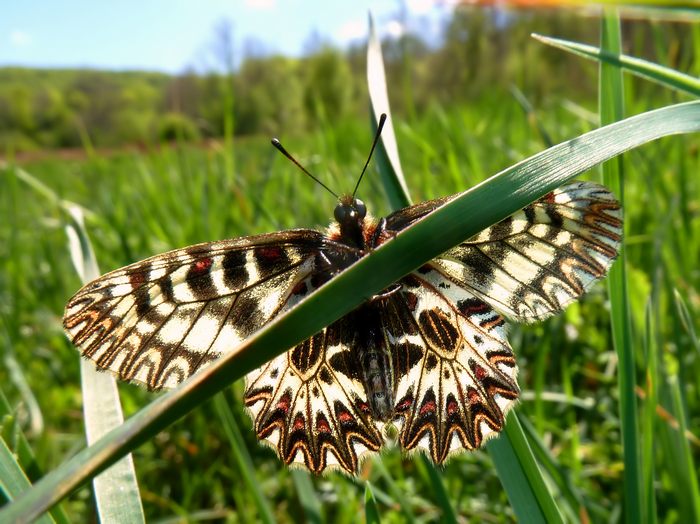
{"x":482,"y":51}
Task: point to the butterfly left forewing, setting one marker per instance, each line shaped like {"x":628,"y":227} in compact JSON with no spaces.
{"x":158,"y":321}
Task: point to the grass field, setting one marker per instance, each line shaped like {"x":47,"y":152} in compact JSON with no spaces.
{"x":138,"y":205}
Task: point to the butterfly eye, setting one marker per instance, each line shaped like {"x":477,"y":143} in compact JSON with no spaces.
{"x":359,"y":205}
{"x":340,"y":213}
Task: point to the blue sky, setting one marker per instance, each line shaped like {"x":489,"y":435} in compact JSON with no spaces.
{"x":173,"y":35}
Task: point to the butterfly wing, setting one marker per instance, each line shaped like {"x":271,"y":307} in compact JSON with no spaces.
{"x":534,"y":263}
{"x":158,"y":321}
{"x":310,"y":403}
{"x":454,"y":371}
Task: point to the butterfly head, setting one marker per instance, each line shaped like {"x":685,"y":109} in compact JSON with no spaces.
{"x":350,"y":210}
{"x":350,"y":213}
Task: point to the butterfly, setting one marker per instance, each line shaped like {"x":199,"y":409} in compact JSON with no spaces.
{"x":428,"y":355}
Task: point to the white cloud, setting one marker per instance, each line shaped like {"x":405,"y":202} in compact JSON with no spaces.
{"x":263,"y":5}
{"x":352,"y":30}
{"x":420,"y":7}
{"x":395,"y":29}
{"x":19,"y":38}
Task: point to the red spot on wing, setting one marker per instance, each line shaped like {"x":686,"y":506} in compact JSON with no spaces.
{"x":322,"y":425}
{"x":452,"y":407}
{"x":363,"y":407}
{"x":428,"y":407}
{"x":474,"y":308}
{"x":202,"y":265}
{"x":269,"y":253}
{"x":473,"y":395}
{"x":549,"y":197}
{"x":283,"y":404}
{"x":480,"y":372}
{"x":345,"y":417}
{"x":137,"y":279}
{"x":404,"y":404}
{"x":299,"y":422}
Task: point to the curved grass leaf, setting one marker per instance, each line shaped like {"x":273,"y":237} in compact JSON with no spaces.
{"x":308,"y":499}
{"x":521,"y":476}
{"x":387,"y":155}
{"x":397,"y":192}
{"x":116,"y":490}
{"x":657,"y":73}
{"x":471,"y":212}
{"x":13,"y":481}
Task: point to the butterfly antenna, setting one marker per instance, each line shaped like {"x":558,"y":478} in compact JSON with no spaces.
{"x":380,"y":126}
{"x":282,"y":150}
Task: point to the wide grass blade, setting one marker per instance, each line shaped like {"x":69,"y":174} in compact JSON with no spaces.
{"x":464,"y":216}
{"x":116,"y":490}
{"x":23,"y":455}
{"x":371,"y":508}
{"x":394,"y":184}
{"x":308,"y":499}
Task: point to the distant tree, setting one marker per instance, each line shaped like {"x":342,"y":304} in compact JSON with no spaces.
{"x":270,"y":96}
{"x":329,"y":86}
{"x":176,"y":126}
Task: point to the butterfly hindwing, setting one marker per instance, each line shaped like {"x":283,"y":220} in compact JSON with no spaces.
{"x":310,"y":403}
{"x":158,"y":321}
{"x":454,"y":371}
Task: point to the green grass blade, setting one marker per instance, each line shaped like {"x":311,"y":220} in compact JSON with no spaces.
{"x":611,"y":110}
{"x":464,"y":216}
{"x":387,"y":153}
{"x":13,"y":481}
{"x":559,"y":475}
{"x":395,"y":491}
{"x":686,"y":465}
{"x":686,"y":319}
{"x":308,"y":499}
{"x":23,"y":454}
{"x":442,"y":497}
{"x":521,"y":476}
{"x":371,"y":509}
{"x":116,"y":490}
{"x":649,"y":415}
{"x":243,"y":460}
{"x":657,"y":73}
{"x":392,"y":177}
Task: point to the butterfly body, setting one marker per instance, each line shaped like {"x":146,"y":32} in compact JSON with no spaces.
{"x":428,"y":355}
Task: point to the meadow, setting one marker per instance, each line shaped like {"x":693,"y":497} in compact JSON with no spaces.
{"x":208,"y":465}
